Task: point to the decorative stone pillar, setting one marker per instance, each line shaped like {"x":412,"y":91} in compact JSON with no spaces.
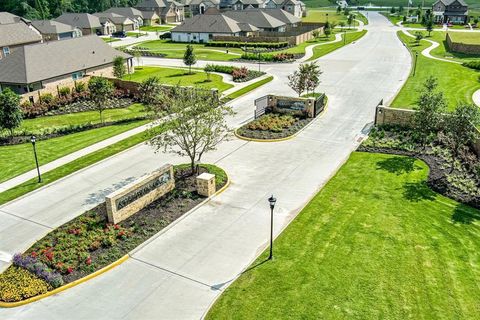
{"x":206,"y":184}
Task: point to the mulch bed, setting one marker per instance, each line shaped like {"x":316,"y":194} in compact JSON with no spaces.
{"x":147,"y":222}
{"x":437,"y":177}
{"x":266,"y":135}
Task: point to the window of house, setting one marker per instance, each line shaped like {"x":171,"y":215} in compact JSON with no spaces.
{"x":77,"y":75}
{"x":6,"y":51}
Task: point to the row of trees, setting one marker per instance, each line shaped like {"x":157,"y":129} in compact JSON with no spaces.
{"x":306,"y":78}
{"x":431,"y":121}
{"x":46,"y":9}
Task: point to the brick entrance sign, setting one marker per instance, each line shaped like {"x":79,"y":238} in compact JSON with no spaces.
{"x":133,"y":197}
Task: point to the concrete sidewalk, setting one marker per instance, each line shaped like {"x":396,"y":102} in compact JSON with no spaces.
{"x":180,"y":273}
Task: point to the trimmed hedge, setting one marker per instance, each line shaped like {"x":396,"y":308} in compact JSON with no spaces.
{"x":279,"y":57}
{"x":239,"y":74}
{"x":233,"y":44}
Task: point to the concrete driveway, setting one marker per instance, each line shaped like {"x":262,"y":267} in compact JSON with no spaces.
{"x":181,"y":272}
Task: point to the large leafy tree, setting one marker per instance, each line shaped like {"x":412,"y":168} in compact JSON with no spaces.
{"x":198,"y":123}
{"x":10,"y":112}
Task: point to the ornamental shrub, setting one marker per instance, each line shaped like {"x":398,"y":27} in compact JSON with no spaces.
{"x":47,"y":98}
{"x":239,"y":44}
{"x":41,"y":270}
{"x":63,"y":91}
{"x":472,"y":64}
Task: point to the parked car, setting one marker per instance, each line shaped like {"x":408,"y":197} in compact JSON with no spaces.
{"x":119,"y":34}
{"x":166,"y":35}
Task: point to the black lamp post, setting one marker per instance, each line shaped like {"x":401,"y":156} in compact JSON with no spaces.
{"x":327,"y":16}
{"x":33,"y":140}
{"x":344,"y":36}
{"x":415,"y":65}
{"x":272,"y":201}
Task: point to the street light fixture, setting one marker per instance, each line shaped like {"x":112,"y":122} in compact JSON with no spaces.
{"x":272,"y":202}
{"x":33,"y":140}
{"x":415,"y":65}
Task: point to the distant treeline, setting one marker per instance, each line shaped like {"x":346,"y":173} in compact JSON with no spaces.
{"x":47,"y":9}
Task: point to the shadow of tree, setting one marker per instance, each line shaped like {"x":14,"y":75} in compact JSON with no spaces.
{"x":397,"y":165}
{"x":99,"y":196}
{"x":418,"y":191}
{"x":464,"y":214}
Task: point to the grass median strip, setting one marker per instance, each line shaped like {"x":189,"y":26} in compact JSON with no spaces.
{"x":347,"y":38}
{"x":78,"y":164}
{"x":248,"y":88}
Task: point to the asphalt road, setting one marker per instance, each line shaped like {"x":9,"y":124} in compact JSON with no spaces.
{"x":181,"y":272}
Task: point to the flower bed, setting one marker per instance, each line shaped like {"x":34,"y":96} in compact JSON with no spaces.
{"x":273,"y":126}
{"x":278,"y":57}
{"x":239,"y":74}
{"x":458,"y":178}
{"x":89,"y":243}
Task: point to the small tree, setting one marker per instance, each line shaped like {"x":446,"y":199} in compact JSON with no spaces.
{"x":429,"y":26}
{"x":119,"y":69}
{"x":460,"y":127}
{"x":198,"y":123}
{"x":339,"y":9}
{"x":100,"y":90}
{"x":296,"y":81}
{"x":350,"y":20}
{"x":137,"y":55}
{"x":10,"y":112}
{"x":189,"y":58}
{"x":149,"y":92}
{"x":393,"y":10}
{"x":418,"y":37}
{"x":311,"y":74}
{"x":326,"y":31}
{"x":316,"y":33}
{"x":431,"y":106}
{"x":341,"y":24}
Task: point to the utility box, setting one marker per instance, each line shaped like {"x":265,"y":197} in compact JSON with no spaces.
{"x":206,"y":184}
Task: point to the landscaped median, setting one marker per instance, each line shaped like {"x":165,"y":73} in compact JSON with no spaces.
{"x":91,"y":244}
{"x":247,"y":89}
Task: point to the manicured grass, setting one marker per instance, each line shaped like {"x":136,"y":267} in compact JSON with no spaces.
{"x":457,"y":82}
{"x":156,"y":28}
{"x":38,"y":125}
{"x":248,"y":88}
{"x":348,"y":38}
{"x":321,"y":16}
{"x":78,"y":164}
{"x":136,"y":34}
{"x":17,"y":159}
{"x":179,"y":76}
{"x":465,"y":37}
{"x":443,"y":52}
{"x":107,"y":40}
{"x":202,"y":52}
{"x":375,"y":243}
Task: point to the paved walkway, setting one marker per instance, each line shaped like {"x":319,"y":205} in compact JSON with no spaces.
{"x":181,"y":272}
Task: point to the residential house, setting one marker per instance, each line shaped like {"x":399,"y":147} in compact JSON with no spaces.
{"x":168,"y":10}
{"x":132,"y":13}
{"x":258,"y":18}
{"x":121,"y":23}
{"x":41,"y":68}
{"x":150,"y":18}
{"x":54,"y":30}
{"x":246,"y":4}
{"x":7,"y":18}
{"x":294,"y":7}
{"x":201,"y":6}
{"x":88,"y":23}
{"x":450,"y":11}
{"x":16,"y":35}
{"x":201,"y":28}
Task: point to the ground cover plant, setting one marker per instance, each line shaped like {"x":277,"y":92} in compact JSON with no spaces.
{"x":456,"y":81}
{"x":241,"y":74}
{"x":89,"y":243}
{"x":181,"y":77}
{"x":375,"y":242}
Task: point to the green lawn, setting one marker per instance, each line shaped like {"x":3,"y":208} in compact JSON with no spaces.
{"x":443,"y":52}
{"x":39,"y":125}
{"x":179,"y":76}
{"x":17,"y":159}
{"x":136,"y":34}
{"x":248,"y":88}
{"x":321,"y":16}
{"x":202,"y":52}
{"x":349,"y":37}
{"x":457,"y":82}
{"x":465,"y":37}
{"x":375,"y":243}
{"x":107,"y":40}
{"x":156,"y":28}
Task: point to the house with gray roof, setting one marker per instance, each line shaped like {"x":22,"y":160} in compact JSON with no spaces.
{"x":7,"y":18}
{"x":202,"y":28}
{"x":201,"y":6}
{"x":450,"y":11}
{"x":121,"y":23}
{"x":246,"y":4}
{"x":168,"y":10}
{"x":258,"y":18}
{"x":15,"y":35}
{"x":132,"y":13}
{"x":36,"y":69}
{"x":88,"y":23}
{"x":54,"y":30}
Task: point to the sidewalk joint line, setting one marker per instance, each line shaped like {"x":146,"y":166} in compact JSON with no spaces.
{"x":25,"y":219}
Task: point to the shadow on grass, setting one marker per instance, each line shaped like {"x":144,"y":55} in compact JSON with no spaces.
{"x":219,"y":286}
{"x":464,"y":214}
{"x":418,"y":191}
{"x":397,"y":165}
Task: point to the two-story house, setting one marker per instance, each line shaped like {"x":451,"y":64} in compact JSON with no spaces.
{"x":14,"y":35}
{"x":168,"y":10}
{"x":450,"y":11}
{"x":54,"y":30}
